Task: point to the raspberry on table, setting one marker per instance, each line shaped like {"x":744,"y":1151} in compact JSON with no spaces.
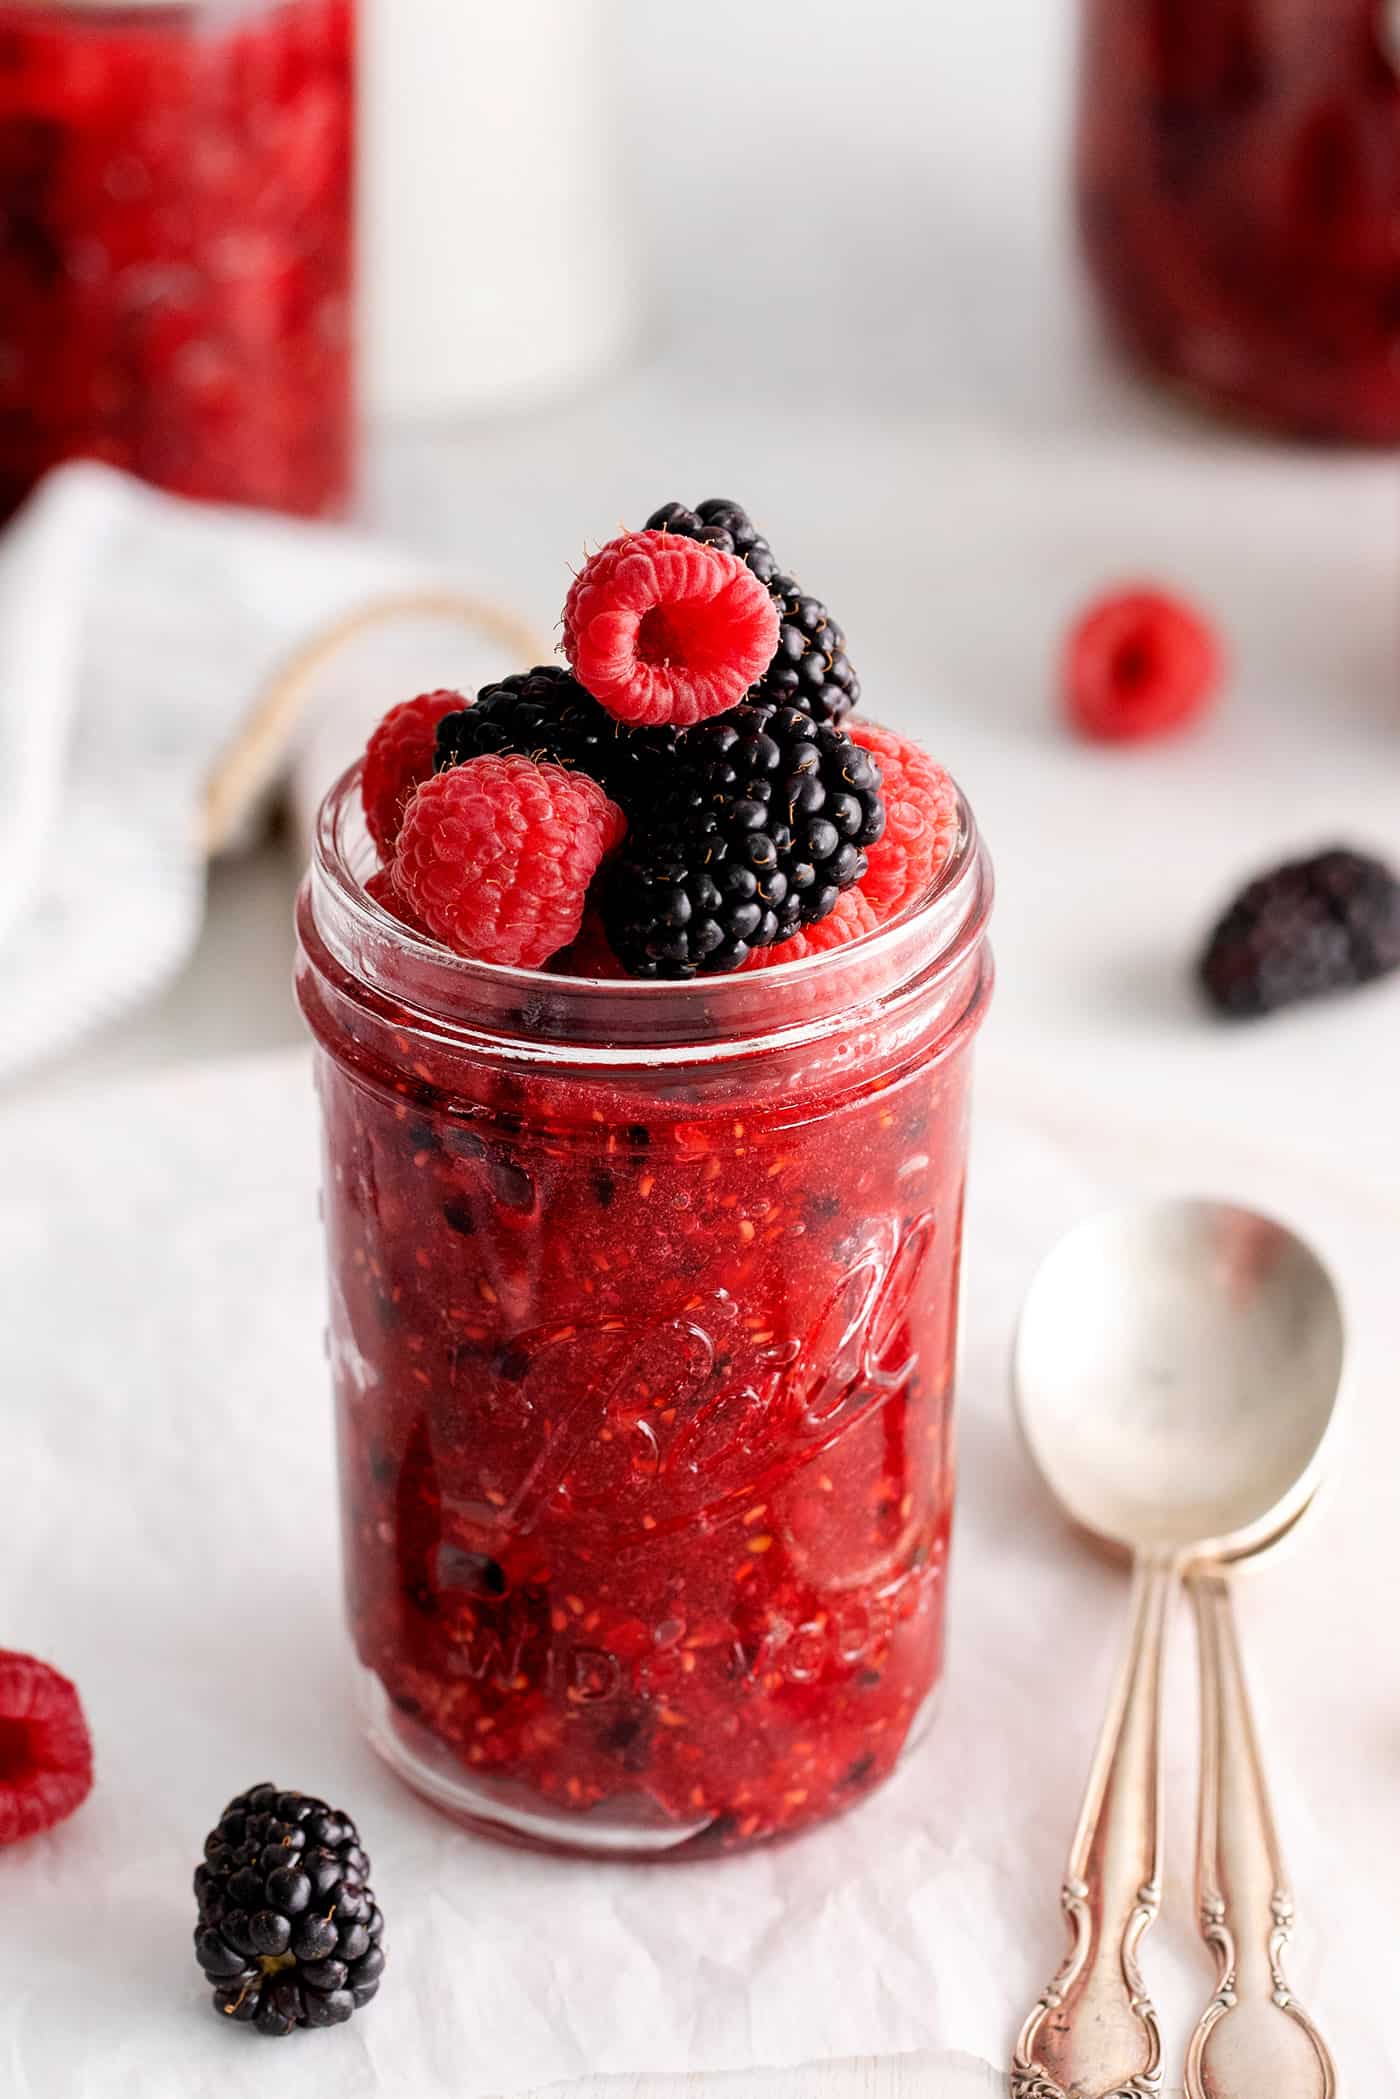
{"x":664,"y":629}
{"x":289,"y":1933}
{"x":495,"y":856}
{"x":809,"y":667}
{"x":922,"y":825}
{"x":1138,"y":663}
{"x":768,"y":818}
{"x":45,"y":1748}
{"x":400,"y":755}
{"x":1311,"y":927}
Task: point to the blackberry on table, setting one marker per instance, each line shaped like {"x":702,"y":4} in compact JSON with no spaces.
{"x":765,"y":821}
{"x":810,"y":668}
{"x":1308,"y":928}
{"x":545,"y":714}
{"x":289,"y":1933}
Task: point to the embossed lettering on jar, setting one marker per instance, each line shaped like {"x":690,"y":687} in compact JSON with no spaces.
{"x":643,"y":1326}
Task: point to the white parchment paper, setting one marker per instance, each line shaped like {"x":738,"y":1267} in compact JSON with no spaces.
{"x":167,"y":1537}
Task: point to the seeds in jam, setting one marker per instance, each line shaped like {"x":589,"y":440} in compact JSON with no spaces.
{"x":645,"y":1437}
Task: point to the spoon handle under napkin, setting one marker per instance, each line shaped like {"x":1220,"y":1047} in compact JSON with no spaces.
{"x":1094,"y":2033}
{"x":1255,"y":2041}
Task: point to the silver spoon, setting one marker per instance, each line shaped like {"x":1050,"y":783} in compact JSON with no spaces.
{"x":1254,"y":2040}
{"x":1176,"y":1375}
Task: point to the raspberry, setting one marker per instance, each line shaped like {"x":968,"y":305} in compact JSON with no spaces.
{"x":664,"y":629}
{"x":400,"y":755}
{"x":45,"y":1750}
{"x":809,"y":668}
{"x":922,"y":819}
{"x":851,"y":918}
{"x":1138,"y":663}
{"x":380,"y":886}
{"x":495,"y":856}
{"x":922,"y":822}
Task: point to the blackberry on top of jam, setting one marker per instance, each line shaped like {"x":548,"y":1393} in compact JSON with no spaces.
{"x":176,"y":245}
{"x":1238,"y":176}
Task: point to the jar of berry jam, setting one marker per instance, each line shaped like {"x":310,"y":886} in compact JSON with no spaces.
{"x":175,"y":245}
{"x":1238,"y":175}
{"x":643,"y":1315}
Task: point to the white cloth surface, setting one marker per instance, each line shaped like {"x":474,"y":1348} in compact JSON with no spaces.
{"x":168,"y":1539}
{"x":135,"y":633}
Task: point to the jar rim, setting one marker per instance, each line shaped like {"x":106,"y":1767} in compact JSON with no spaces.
{"x":633,"y":1019}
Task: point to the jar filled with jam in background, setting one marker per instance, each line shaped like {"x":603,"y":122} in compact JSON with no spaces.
{"x":1238,"y":176}
{"x":176,"y":252}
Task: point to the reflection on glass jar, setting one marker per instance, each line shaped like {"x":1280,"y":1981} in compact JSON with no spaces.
{"x":175,"y":245}
{"x":1238,"y":173}
{"x":644,"y":1305}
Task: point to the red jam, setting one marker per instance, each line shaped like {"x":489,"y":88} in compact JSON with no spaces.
{"x":644,"y":1379}
{"x":175,"y":246}
{"x":1239,"y":185}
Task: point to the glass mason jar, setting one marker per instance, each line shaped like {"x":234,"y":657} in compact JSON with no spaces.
{"x":1238,"y":177}
{"x":643,"y":1317}
{"x":175,"y":245}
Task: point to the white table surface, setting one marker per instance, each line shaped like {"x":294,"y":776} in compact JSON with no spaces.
{"x":928,"y":1921}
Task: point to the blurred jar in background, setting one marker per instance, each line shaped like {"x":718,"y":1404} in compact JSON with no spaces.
{"x":1238,"y":175}
{"x":175,"y":245}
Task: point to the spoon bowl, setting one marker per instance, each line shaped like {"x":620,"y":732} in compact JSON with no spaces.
{"x":1176,"y":1374}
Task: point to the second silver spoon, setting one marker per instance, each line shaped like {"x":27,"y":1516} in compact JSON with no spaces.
{"x":1176,"y":1374}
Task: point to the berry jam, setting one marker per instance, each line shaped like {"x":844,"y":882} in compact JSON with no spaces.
{"x":1238,"y":170}
{"x":175,"y":246}
{"x":644,"y":1306}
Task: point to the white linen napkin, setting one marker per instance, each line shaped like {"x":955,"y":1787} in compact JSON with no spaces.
{"x":136,"y":632}
{"x":168,"y":1538}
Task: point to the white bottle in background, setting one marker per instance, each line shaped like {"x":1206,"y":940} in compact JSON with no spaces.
{"x":495,"y":264}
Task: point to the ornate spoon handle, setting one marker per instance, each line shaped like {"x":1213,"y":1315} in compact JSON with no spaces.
{"x":1254,"y":2041}
{"x":1094,"y":2033}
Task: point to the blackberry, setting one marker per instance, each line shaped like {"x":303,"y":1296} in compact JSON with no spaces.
{"x":288,"y":1932}
{"x":545,"y":714}
{"x":810,"y":668}
{"x":1305,"y":929}
{"x":764,"y":821}
{"x":719,"y":523}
